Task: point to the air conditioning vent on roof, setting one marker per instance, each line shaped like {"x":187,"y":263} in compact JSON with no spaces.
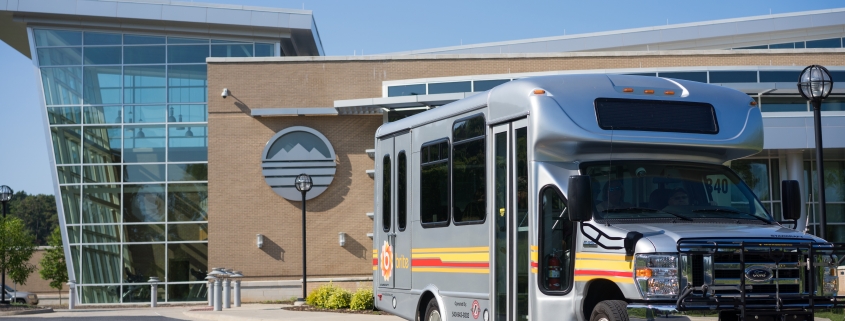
{"x":656,"y":115}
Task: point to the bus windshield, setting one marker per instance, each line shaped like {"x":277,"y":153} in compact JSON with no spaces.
{"x":625,"y":190}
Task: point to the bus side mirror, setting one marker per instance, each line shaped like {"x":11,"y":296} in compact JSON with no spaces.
{"x":580,"y":198}
{"x":791,"y":197}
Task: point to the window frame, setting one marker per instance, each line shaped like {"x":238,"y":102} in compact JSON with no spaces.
{"x":448,"y":162}
{"x":570,"y":272}
{"x":452,"y":167}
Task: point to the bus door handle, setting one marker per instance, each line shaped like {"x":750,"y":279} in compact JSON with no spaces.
{"x":391,"y":237}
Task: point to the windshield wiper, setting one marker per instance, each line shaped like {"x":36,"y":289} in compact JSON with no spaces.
{"x":727,"y":210}
{"x":644,"y":210}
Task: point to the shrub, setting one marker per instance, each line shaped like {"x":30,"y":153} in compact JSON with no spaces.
{"x":329,"y":296}
{"x":362,"y":300}
{"x":339,"y":299}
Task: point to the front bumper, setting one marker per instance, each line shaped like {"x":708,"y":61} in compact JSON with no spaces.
{"x":649,"y":312}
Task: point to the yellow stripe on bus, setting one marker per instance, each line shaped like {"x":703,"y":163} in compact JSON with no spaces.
{"x":375,"y":268}
{"x":534,"y":256}
{"x":603,"y":265}
{"x":534,"y":247}
{"x":601,"y":256}
{"x":375,"y":251}
{"x":451,"y":250}
{"x":617,"y":279}
{"x":458,"y":257}
{"x":451,"y":270}
{"x":534,"y":270}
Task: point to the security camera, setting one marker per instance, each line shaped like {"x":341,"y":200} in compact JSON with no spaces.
{"x":225,"y":93}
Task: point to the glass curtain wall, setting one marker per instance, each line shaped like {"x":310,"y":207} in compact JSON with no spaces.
{"x":128,"y":122}
{"x":763,"y":176}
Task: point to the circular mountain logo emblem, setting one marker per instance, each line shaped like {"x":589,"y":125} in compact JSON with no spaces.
{"x":297,"y":150}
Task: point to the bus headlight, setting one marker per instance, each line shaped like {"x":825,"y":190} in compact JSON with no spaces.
{"x":657,"y":275}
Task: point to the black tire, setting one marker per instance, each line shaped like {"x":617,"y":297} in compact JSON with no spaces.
{"x":20,"y":301}
{"x":610,"y":310}
{"x":432,"y":311}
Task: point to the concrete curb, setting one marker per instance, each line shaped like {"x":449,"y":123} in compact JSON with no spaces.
{"x":23,"y":312}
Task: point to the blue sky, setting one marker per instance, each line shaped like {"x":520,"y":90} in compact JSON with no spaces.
{"x":381,"y":26}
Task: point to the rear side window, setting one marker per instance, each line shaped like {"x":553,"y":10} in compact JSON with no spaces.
{"x":434,"y":184}
{"x":401,"y":191}
{"x":469,"y":184}
{"x":385,"y":193}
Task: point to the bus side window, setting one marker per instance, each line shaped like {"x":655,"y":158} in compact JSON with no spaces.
{"x":469,"y":186}
{"x":401,"y":191}
{"x":385,"y":193}
{"x":556,"y":243}
{"x":434,"y":184}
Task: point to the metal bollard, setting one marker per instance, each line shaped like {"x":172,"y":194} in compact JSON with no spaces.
{"x":227,"y":293}
{"x":237,"y":276}
{"x":153,"y":291}
{"x":71,"y":299}
{"x":210,"y":289}
{"x":218,"y":295}
{"x":214,"y":276}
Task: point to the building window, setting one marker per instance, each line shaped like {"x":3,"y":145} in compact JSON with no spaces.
{"x":469,"y":186}
{"x":449,"y":87}
{"x":485,"y":85}
{"x":132,"y":162}
{"x":699,"y":76}
{"x":406,"y":90}
{"x":434,"y":184}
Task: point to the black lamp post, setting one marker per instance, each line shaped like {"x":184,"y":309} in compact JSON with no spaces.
{"x":303,"y":184}
{"x":5,"y":195}
{"x":815,"y":85}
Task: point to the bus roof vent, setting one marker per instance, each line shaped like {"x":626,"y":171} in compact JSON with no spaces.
{"x":656,"y":115}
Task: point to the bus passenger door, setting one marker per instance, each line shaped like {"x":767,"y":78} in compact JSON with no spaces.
{"x":402,"y":231}
{"x":510,"y":228}
{"x":385,"y":161}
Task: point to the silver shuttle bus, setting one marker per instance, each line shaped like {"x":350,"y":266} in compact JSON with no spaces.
{"x":589,"y":198}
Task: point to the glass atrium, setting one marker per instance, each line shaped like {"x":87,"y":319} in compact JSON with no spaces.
{"x":128,"y":122}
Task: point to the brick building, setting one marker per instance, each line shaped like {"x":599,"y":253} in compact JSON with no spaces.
{"x":201,"y":183}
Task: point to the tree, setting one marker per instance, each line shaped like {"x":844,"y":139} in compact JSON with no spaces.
{"x":38,"y":212}
{"x":16,"y":248}
{"x":53,"y":266}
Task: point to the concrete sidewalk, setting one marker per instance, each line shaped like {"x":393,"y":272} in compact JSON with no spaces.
{"x":247,"y":312}
{"x":256,"y":312}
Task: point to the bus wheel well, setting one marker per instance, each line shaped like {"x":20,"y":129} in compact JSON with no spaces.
{"x":422,"y":304}
{"x":597,"y":291}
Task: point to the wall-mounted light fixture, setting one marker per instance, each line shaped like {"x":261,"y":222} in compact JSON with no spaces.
{"x":225,"y":93}
{"x":259,"y":240}
{"x":341,"y":239}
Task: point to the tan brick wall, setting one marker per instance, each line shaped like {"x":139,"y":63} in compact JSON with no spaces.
{"x":35,"y":283}
{"x":240,"y":202}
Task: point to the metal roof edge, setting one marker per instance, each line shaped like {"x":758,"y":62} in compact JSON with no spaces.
{"x":525,"y":55}
{"x":622,"y":31}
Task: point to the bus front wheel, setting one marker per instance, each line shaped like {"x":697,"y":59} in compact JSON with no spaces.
{"x":610,"y":310}
{"x":432,"y":311}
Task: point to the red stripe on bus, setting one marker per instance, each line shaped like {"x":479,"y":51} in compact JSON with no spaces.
{"x":439,"y":263}
{"x":604,"y":273}
{"x":534,"y":264}
{"x":375,"y":261}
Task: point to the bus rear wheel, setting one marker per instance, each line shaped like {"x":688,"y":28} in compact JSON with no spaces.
{"x":432,"y":311}
{"x":610,"y":310}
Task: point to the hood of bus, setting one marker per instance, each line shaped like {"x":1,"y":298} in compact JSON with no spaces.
{"x":665,"y":236}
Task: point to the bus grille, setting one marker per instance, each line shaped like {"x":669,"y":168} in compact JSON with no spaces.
{"x":721,"y":268}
